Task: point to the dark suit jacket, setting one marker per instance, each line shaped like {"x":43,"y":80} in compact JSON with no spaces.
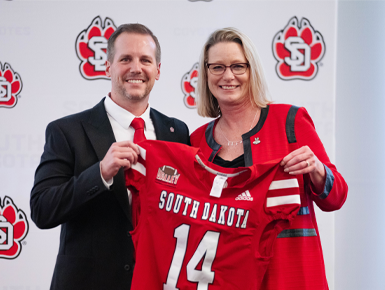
{"x":96,"y":250}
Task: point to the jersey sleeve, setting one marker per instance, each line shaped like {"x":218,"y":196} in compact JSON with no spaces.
{"x":135,"y":181}
{"x":136,"y":175}
{"x":281,"y":206}
{"x":336,"y":189}
{"x":283,"y":196}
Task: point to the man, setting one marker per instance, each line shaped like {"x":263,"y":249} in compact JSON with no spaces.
{"x":79,"y":183}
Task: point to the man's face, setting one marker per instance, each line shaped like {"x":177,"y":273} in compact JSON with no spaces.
{"x":134,"y":69}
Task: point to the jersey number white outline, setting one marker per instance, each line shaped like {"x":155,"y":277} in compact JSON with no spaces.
{"x":206,"y":249}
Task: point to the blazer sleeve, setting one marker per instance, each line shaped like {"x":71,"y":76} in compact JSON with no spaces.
{"x":336,"y":189}
{"x":59,"y":193}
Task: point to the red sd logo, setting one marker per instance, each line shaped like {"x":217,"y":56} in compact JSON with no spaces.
{"x":13,"y":229}
{"x":189,"y":84}
{"x":10,"y":86}
{"x":91,"y":48}
{"x":298,"y":48}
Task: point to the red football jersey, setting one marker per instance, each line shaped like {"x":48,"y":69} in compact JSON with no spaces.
{"x":203,"y":226}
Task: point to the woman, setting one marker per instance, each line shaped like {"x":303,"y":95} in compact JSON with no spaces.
{"x":249,"y":130}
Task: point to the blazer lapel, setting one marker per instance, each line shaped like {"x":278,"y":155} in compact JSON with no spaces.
{"x":162,"y":125}
{"x":99,"y":131}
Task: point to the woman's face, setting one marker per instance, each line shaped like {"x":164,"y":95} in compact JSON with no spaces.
{"x":227,"y":88}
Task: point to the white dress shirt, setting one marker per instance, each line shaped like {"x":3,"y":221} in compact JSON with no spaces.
{"x":120,"y":120}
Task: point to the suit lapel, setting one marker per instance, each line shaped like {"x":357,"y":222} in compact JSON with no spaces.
{"x":99,"y":131}
{"x":162,"y":125}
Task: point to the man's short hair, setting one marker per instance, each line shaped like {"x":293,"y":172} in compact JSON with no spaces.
{"x":131,"y":28}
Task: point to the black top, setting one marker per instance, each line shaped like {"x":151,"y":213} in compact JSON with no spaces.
{"x":237,"y":162}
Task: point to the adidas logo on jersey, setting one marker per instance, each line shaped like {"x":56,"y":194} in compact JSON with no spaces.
{"x":244,"y":196}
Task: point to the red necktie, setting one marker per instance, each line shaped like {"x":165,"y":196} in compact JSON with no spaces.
{"x":138,"y":125}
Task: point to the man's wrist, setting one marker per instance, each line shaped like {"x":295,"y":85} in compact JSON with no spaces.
{"x":107,"y":183}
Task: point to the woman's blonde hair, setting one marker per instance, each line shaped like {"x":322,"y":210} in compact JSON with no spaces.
{"x":207,"y":103}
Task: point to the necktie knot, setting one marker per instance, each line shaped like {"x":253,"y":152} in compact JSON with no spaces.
{"x":138,"y":125}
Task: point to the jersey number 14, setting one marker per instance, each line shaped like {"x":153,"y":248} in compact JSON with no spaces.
{"x":206,"y":249}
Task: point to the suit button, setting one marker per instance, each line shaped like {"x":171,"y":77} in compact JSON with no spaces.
{"x":93,"y":190}
{"x":127,"y":267}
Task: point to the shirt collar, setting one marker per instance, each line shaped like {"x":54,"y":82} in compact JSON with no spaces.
{"x":122,"y":116}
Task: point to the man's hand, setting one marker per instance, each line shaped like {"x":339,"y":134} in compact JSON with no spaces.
{"x":120,"y":154}
{"x":302,"y":161}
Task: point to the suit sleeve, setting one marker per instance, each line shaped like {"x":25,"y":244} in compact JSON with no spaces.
{"x":336,"y":189}
{"x":59,"y":193}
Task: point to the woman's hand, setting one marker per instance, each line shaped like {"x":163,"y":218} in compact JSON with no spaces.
{"x":302,"y":161}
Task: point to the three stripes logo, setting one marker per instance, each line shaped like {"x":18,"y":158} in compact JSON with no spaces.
{"x":245,"y":196}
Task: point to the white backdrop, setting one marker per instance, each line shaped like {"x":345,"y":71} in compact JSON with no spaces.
{"x":37,"y":40}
